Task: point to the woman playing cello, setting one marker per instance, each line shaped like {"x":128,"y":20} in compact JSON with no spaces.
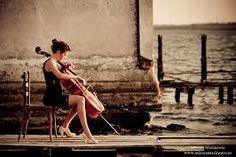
{"x":53,"y":94}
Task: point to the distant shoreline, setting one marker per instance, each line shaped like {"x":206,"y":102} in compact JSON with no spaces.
{"x":230,"y":26}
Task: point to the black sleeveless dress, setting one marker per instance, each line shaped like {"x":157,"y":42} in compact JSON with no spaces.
{"x":53,"y":94}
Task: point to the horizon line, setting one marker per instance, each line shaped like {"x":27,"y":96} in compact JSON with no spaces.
{"x":192,"y":24}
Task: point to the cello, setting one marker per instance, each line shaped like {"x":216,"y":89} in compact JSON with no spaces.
{"x":93,"y":105}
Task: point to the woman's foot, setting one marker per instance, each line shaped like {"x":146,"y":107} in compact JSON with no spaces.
{"x":66,"y":131}
{"x":87,"y":140}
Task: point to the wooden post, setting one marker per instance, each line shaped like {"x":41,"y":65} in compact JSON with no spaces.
{"x":221,"y":94}
{"x":160,"y":59}
{"x":230,"y":95}
{"x":177,"y":93}
{"x":203,"y":58}
{"x":190,"y":95}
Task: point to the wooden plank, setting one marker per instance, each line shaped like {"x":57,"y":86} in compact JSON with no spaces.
{"x":111,"y":141}
{"x":116,"y":140}
{"x":118,"y":143}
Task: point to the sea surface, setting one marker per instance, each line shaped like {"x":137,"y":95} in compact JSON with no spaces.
{"x":182,"y":62}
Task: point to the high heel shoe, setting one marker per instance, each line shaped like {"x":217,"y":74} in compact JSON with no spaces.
{"x":87,"y":140}
{"x":66,"y":131}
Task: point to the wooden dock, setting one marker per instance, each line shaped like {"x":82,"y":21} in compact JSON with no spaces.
{"x":113,"y":145}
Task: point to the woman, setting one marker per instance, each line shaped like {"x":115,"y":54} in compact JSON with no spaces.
{"x":53,"y":94}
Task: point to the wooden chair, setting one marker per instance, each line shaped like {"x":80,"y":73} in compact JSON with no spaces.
{"x":28,"y":108}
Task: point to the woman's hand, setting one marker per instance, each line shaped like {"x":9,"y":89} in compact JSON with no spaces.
{"x":84,"y":82}
{"x":70,"y":65}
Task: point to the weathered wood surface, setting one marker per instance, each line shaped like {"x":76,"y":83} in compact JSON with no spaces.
{"x":105,"y":141}
{"x":115,"y":141}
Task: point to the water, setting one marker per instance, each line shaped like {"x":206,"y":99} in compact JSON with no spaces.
{"x":181,"y":58}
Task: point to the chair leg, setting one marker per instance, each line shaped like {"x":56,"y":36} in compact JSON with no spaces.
{"x":55,"y":122}
{"x":25,"y":127}
{"x":50,"y":124}
{"x":22,"y":126}
{"x":20,"y":132}
{"x":26,"y":123}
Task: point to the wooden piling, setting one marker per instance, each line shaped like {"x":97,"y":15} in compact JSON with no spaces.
{"x":230,"y":94}
{"x":177,"y":93}
{"x":203,"y":58}
{"x":183,"y":86}
{"x":221,"y":94}
{"x":190,"y":91}
{"x":160,"y":59}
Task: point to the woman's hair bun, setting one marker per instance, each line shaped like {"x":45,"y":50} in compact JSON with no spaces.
{"x":58,"y":45}
{"x":54,"y":41}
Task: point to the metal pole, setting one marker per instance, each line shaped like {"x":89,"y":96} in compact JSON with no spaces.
{"x":110,"y":125}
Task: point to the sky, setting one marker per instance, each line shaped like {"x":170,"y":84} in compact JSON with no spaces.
{"x":193,"y":11}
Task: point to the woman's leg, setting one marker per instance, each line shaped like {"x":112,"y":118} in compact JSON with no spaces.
{"x":70,"y":116}
{"x":79,"y":102}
